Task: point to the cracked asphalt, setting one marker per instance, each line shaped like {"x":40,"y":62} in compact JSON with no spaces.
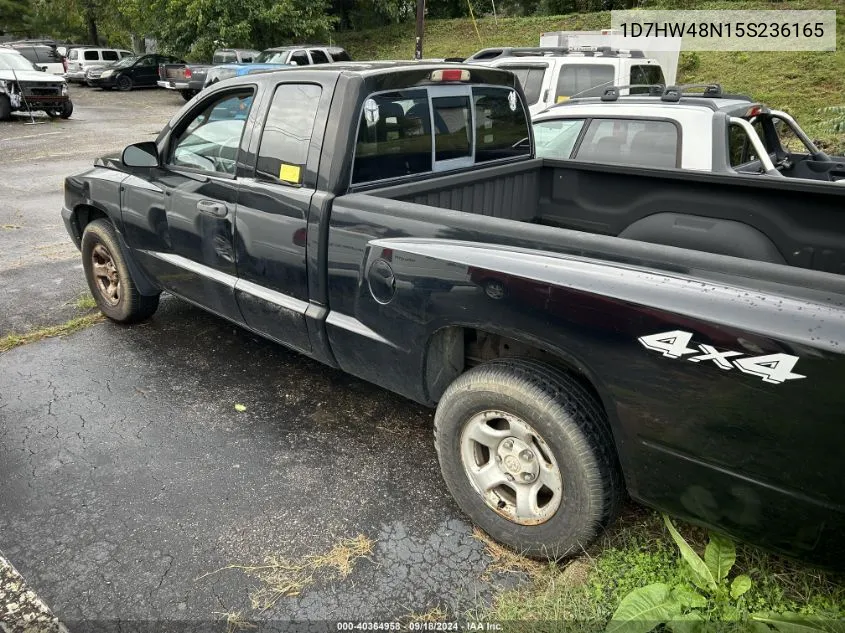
{"x":127,"y":474}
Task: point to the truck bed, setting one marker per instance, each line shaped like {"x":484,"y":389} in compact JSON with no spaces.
{"x":792,"y":222}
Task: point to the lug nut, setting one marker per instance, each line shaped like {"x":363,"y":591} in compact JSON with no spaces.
{"x":508,"y":444}
{"x":508,"y":476}
{"x":527,"y":477}
{"x":527,"y":455}
{"x":498,"y":458}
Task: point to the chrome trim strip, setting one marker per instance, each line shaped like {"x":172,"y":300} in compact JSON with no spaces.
{"x":351,"y":324}
{"x":195,"y":267}
{"x":272,"y":296}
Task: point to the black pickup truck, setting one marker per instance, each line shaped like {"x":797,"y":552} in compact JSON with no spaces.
{"x":389,"y":219}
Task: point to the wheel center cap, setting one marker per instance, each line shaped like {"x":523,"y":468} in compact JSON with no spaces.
{"x":518,"y":460}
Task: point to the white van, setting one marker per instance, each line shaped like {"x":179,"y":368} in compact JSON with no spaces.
{"x":81,"y":59}
{"x":552,"y":75}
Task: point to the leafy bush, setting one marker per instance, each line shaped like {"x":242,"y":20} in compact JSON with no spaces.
{"x":707,"y":599}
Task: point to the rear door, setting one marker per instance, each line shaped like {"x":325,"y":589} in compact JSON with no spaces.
{"x":273,"y":205}
{"x":180,"y":217}
{"x":145,"y":70}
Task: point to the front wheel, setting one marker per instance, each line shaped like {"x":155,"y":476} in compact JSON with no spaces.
{"x":5,"y":108}
{"x":108,"y":276}
{"x":124,"y":83}
{"x":527,"y":453}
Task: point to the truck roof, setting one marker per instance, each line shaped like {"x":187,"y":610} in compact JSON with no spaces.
{"x":716,"y":105}
{"x":371,"y":69}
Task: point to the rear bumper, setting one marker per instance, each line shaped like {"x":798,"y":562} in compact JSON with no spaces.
{"x":173,"y":85}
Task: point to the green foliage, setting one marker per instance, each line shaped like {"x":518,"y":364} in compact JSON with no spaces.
{"x":711,"y":601}
{"x":197,"y":27}
{"x":837,"y":122}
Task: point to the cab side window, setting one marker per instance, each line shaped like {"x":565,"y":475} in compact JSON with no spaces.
{"x":300,"y":58}
{"x":287,"y":132}
{"x":211,"y":139}
{"x":740,"y":150}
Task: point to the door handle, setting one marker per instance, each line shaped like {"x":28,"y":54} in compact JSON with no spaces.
{"x":217,"y":209}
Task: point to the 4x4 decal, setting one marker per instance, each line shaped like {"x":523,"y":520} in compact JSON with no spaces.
{"x":772,"y":368}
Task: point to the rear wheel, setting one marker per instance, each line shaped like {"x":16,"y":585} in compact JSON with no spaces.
{"x":124,"y":83}
{"x":108,"y":276}
{"x":187,"y":95}
{"x":527,"y":452}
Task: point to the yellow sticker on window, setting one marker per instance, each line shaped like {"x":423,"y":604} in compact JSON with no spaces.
{"x":562,"y":99}
{"x":289,"y":173}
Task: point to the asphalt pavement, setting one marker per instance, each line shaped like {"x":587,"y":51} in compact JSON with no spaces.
{"x":134,"y":490}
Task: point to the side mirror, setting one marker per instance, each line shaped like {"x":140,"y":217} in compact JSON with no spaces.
{"x":141,"y":155}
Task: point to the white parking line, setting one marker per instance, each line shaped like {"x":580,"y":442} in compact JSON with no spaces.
{"x":20,"y":608}
{"x":17,"y":138}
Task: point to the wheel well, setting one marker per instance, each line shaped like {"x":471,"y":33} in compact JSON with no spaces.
{"x":453,"y":350}
{"x":84,"y":214}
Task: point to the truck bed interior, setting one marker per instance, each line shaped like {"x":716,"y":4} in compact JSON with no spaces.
{"x":752,"y":217}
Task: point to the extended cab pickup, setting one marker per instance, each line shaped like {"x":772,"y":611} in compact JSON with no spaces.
{"x":189,"y":79}
{"x":388,"y":220}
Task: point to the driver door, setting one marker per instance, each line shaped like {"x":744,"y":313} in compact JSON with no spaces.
{"x":194,"y":255}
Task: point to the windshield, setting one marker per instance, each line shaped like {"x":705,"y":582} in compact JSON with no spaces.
{"x":124,"y":63}
{"x":13,"y":61}
{"x":272,"y":57}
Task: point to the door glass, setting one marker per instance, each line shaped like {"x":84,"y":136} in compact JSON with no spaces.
{"x":300,"y":58}
{"x":645,"y":74}
{"x":640,"y":142}
{"x":287,"y":133}
{"x":91,"y":56}
{"x":146,"y":62}
{"x":583,"y":80}
{"x":319,"y":57}
{"x":211,"y":140}
{"x":452,"y":127}
{"x":531,"y":80}
{"x":73,"y":54}
{"x":110,"y":56}
{"x":740,"y":150}
{"x":555,"y":139}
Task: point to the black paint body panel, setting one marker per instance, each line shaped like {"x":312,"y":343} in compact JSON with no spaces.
{"x":715,"y":445}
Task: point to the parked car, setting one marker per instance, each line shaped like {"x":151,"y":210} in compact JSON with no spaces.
{"x":189,"y":79}
{"x":590,"y":371}
{"x":277,"y":58}
{"x":697,"y":128}
{"x":80,"y":60}
{"x":553,"y":75}
{"x":24,"y":87}
{"x":130,"y":72}
{"x":44,"y":56}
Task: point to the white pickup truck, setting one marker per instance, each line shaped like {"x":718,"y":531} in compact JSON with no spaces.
{"x":669,"y":129}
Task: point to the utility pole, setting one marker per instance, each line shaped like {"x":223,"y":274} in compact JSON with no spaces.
{"x":420,"y":28}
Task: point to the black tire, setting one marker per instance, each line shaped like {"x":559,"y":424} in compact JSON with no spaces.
{"x":129,"y":305}
{"x":67,"y":109}
{"x":187,"y":95}
{"x":5,"y":108}
{"x":573,"y":428}
{"x":124,"y":83}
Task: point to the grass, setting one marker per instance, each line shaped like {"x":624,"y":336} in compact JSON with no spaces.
{"x":639,"y":552}
{"x":279,"y":578}
{"x":801,"y":83}
{"x":85,"y":302}
{"x":68,"y":327}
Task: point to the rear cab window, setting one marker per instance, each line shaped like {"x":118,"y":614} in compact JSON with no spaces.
{"x":433,"y":129}
{"x":583,"y":80}
{"x":638,"y":142}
